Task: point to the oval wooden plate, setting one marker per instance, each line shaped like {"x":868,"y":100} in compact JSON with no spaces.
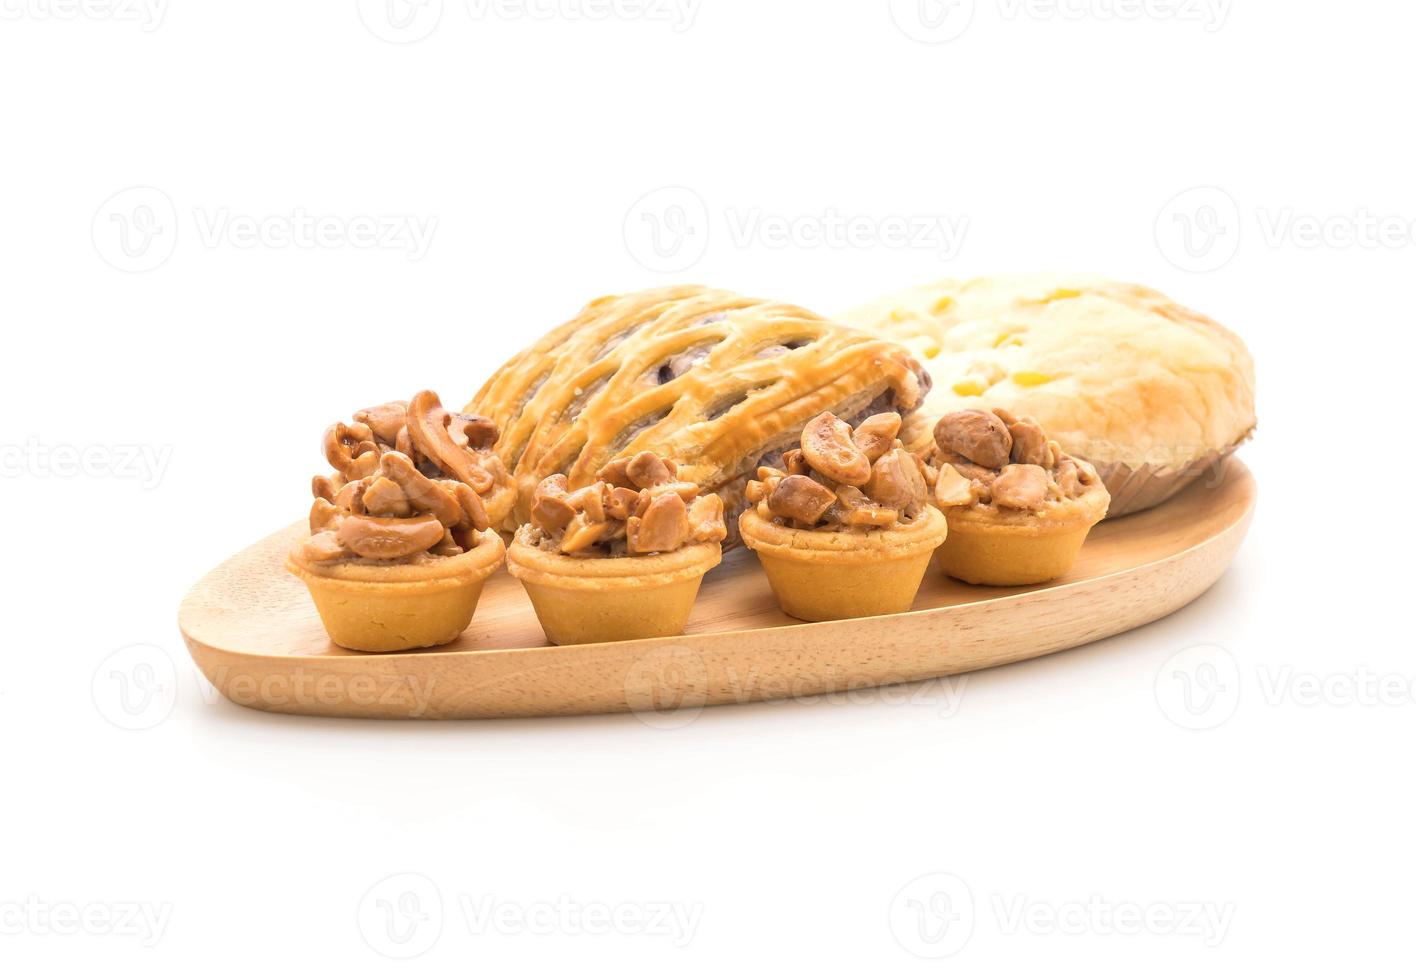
{"x":253,"y":631}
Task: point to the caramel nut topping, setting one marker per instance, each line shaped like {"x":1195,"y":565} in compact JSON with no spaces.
{"x":885,"y":482}
{"x":636,"y":507}
{"x":1033,"y":472}
{"x":827,"y":447}
{"x":980,"y":437}
{"x":402,"y":467}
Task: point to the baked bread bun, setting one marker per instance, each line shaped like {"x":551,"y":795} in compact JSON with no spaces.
{"x":716,"y":382}
{"x":1151,"y":393}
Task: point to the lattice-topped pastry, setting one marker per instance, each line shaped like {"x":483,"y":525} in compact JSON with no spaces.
{"x":717,"y":382}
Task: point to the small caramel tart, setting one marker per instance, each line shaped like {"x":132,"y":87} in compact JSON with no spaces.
{"x":1018,"y":548}
{"x":598,"y":600}
{"x":843,"y":573}
{"x":381,"y":606}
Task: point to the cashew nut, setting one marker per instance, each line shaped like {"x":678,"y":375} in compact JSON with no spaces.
{"x":800,"y":499}
{"x":877,"y":434}
{"x":980,"y":437}
{"x":1021,"y":486}
{"x":827,"y":447}
{"x":389,"y":537}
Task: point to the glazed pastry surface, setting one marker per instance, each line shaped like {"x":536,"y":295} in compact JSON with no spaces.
{"x":1116,"y":373}
{"x":714,"y":381}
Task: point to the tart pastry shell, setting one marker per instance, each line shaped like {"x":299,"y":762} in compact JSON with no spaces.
{"x":822,"y":575}
{"x":383,"y":608}
{"x":1021,"y":550}
{"x":600,"y":600}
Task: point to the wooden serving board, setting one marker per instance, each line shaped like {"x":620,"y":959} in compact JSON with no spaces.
{"x":253,"y":630}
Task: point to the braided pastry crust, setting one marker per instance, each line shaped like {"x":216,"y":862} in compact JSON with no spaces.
{"x":715,"y":381}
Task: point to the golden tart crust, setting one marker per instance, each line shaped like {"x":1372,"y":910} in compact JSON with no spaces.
{"x":599,"y":600}
{"x":381,"y":606}
{"x":844,"y":573}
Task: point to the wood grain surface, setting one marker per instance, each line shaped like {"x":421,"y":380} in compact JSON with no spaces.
{"x":253,"y":630}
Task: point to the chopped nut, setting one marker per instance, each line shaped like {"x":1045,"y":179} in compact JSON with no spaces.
{"x":876,"y":435}
{"x":795,"y":463}
{"x":800,"y":499}
{"x":1021,"y":486}
{"x":827,"y":447}
{"x":663,"y":527}
{"x":323,"y":515}
{"x":952,"y":488}
{"x":620,"y":503}
{"x":591,"y":500}
{"x":896,"y":481}
{"x":1029,"y":442}
{"x":323,"y":488}
{"x":646,"y":469}
{"x":473,"y":431}
{"x":705,"y":519}
{"x":614,"y":473}
{"x":582,"y":533}
{"x":421,"y":492}
{"x":474,"y":511}
{"x":384,"y":420}
{"x":551,"y":511}
{"x":384,"y":498}
{"x":980,"y":437}
{"x":324,"y":546}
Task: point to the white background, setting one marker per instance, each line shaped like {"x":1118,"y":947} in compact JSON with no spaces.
{"x":1270,"y":833}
